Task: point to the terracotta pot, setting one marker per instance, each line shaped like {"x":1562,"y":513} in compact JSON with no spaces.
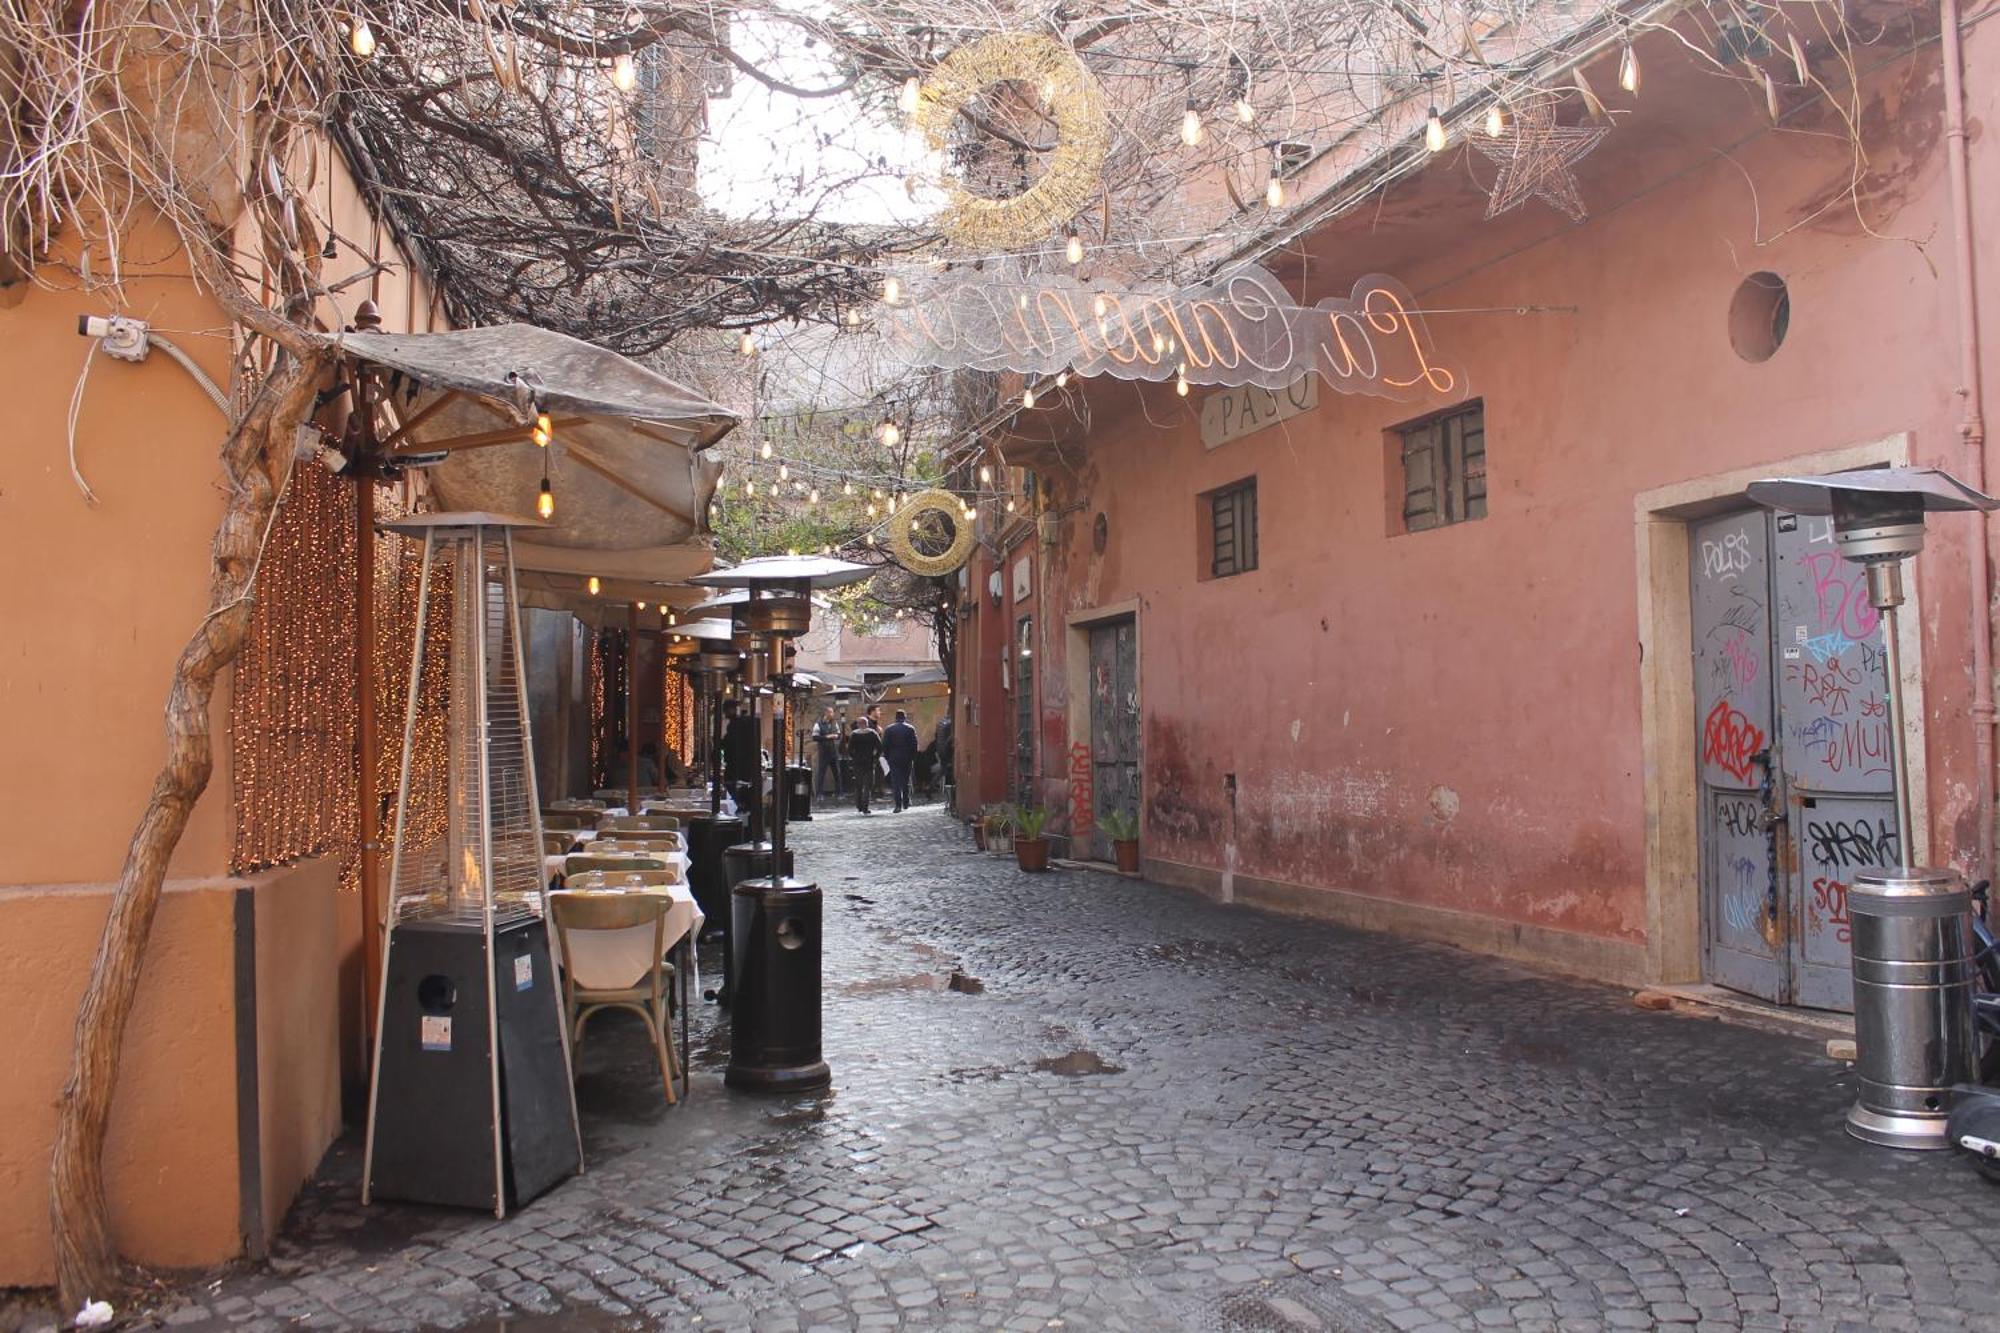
{"x":1031,"y":853}
{"x":1127,"y":852}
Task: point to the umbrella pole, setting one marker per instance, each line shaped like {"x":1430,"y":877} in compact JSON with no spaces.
{"x":779,"y":796}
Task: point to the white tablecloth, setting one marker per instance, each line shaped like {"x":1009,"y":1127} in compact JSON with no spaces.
{"x":616,"y":959}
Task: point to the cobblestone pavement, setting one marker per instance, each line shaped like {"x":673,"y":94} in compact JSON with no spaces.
{"x":1154,"y":1112}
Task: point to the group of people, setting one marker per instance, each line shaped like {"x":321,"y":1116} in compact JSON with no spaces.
{"x":873,"y":752}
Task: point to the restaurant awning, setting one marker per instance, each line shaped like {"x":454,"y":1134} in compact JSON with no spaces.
{"x":624,"y":465}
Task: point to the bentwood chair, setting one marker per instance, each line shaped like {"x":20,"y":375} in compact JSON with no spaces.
{"x":587,"y":861}
{"x":624,"y":879}
{"x":557,"y":842}
{"x":639,"y":823}
{"x":568,"y":819}
{"x":648,"y":995}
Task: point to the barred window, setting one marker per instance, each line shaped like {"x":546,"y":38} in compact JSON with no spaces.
{"x":1231,"y":528}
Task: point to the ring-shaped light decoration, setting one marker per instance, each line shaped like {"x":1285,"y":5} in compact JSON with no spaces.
{"x":903,"y":528}
{"x":1074,"y":167}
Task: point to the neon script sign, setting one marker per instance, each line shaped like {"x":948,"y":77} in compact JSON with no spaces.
{"x":1243,"y":328}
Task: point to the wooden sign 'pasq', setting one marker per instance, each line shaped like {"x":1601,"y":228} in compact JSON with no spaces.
{"x":1245,"y":410}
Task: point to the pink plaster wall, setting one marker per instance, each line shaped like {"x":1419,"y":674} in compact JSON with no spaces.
{"x":1453,"y":718}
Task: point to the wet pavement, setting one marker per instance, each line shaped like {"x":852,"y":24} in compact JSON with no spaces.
{"x":1078,"y":1101}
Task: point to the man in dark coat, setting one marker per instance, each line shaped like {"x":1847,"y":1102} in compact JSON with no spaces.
{"x":864,"y":746}
{"x":899,"y":747}
{"x":743,"y":764}
{"x":826,"y":745}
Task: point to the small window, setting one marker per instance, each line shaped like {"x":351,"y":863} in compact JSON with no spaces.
{"x":1229,"y":527}
{"x":1444,"y":468}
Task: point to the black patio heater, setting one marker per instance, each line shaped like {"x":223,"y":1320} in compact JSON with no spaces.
{"x":702,"y":649}
{"x":1911,"y":926}
{"x":775,"y":946}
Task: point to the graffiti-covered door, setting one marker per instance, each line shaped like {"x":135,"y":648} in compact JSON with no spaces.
{"x":1791,"y":697}
{"x":1743,"y":899}
{"x":1114,"y":726}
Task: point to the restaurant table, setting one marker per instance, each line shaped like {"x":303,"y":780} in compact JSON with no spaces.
{"x":555,"y":867}
{"x":617,"y":959}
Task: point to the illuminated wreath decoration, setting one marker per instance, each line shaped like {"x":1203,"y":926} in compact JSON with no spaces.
{"x":1083,"y":135}
{"x":903,"y":527}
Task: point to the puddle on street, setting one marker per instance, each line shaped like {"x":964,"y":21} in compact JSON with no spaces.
{"x":1077,"y":1064}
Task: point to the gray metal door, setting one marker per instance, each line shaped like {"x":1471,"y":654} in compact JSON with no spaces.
{"x":1791,"y":705}
{"x":1114,"y":726}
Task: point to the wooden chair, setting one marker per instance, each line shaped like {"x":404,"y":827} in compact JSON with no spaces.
{"x":636,"y":823}
{"x":651,"y":998}
{"x":570,"y":819}
{"x":624,"y":879}
{"x":578,"y":861}
{"x":556,"y":843}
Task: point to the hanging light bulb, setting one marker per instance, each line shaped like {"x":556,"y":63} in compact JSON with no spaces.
{"x":668,"y":612}
{"x":847,"y":488}
{"x":544,"y":431}
{"x":784,"y":472}
{"x":746,"y":344}
{"x":764,"y":449}
{"x":985,"y":474}
{"x":1010,"y":506}
{"x":624,"y":72}
{"x":890,"y":433}
{"x":1434,"y":135}
{"x":1245,"y":113}
{"x":640,"y":605}
{"x":892,"y":290}
{"x":1062,"y":378}
{"x":871,"y":509}
{"x":1028,"y":397}
{"x":1496,"y":121}
{"x":1180,"y":381}
{"x":1191,"y":125}
{"x":1100,"y":305}
{"x":812,"y":496}
{"x":595,"y":586}
{"x":911,"y":92}
{"x":1628,"y":70}
{"x":853,"y":319}
{"x":967,"y":511}
{"x":1274,"y":191}
{"x":361,"y":38}
{"x":878,"y":492}
{"x":871,"y":539}
{"x":545,"y":503}
{"x":1073,"y":251}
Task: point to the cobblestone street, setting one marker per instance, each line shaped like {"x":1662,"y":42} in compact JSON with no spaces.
{"x":1139,"y":1110}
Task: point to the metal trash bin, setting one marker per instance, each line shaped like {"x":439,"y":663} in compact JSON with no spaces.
{"x":799,"y":788}
{"x":1913,"y":984}
{"x":774,"y":1024}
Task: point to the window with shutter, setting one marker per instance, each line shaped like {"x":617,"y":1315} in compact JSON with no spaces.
{"x":1231,"y":528}
{"x":1444,"y":468}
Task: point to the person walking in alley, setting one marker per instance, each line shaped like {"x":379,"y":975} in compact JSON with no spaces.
{"x":826,"y":746}
{"x":864,"y":746}
{"x":899,"y":747}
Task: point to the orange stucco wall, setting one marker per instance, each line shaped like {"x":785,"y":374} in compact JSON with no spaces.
{"x":1356,"y":676}
{"x":299,"y":945}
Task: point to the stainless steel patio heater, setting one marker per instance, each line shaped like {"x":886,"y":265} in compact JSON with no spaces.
{"x":775,"y":952}
{"x":1912,"y":933}
{"x":471,"y":1102}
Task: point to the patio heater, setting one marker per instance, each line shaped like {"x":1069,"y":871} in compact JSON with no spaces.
{"x":471,"y":1103}
{"x":775,"y":942}
{"x":1911,"y":927}
{"x":703,"y":650}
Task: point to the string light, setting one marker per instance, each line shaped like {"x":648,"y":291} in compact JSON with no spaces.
{"x":985,"y":474}
{"x":624,"y":72}
{"x":912,"y":90}
{"x":764,"y":449}
{"x":1274,"y":189}
{"x":746,"y":345}
{"x":812,"y":496}
{"x":545,"y":502}
{"x":889,"y":433}
{"x":784,"y":472}
{"x":847,"y":488}
{"x":1496,"y":121}
{"x":1191,"y":125}
{"x":1073,"y":251}
{"x":1245,"y":113}
{"x":1101,"y":305}
{"x":1434,"y":135}
{"x":595,"y":586}
{"x":1028,"y":397}
{"x":545,"y":429}
{"x":1062,"y":378}
{"x":1010,"y":504}
{"x":749,"y":487}
{"x":1180,"y":381}
{"x":641,"y":606}
{"x":871,"y":509}
{"x":871,"y":539}
{"x":878,"y":492}
{"x":361,"y":38}
{"x":1628,"y":70}
{"x":892,"y":290}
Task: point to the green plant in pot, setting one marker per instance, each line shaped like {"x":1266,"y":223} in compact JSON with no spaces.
{"x":1121,"y":827}
{"x":999,"y":823}
{"x":1031,"y":849}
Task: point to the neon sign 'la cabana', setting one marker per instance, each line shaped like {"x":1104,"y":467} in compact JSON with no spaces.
{"x":1242,"y":328}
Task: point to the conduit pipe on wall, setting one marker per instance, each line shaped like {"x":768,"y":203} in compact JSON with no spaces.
{"x":1971,"y":427}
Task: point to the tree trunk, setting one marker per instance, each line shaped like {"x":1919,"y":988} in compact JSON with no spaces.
{"x":255,"y":458}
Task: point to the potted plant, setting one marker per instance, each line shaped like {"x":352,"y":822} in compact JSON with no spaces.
{"x":978,"y":825}
{"x":999,"y":821}
{"x":1031,"y":849}
{"x":1122,"y":828}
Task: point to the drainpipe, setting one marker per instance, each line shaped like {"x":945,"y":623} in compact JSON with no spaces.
{"x":1971,"y":427}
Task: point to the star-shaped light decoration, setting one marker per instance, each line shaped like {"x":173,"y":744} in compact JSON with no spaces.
{"x":1535,"y":155}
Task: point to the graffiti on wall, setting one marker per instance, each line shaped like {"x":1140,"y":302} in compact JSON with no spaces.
{"x":1082,"y":792}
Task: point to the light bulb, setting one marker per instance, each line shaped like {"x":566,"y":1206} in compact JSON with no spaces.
{"x":847,"y":488}
{"x":784,"y":472}
{"x":853,"y":318}
{"x":641,"y":605}
{"x":1074,"y":250}
{"x":1027,"y":397}
{"x":892,"y":290}
{"x":764,"y":449}
{"x":985,"y":474}
{"x":812,"y":497}
{"x":545,"y":503}
{"x":1010,"y":506}
{"x":1274,"y":192}
{"x":668,"y":612}
{"x":1496,"y":121}
{"x":361,"y":39}
{"x":1159,"y":344}
{"x":1100,"y":305}
{"x":1191,"y":126}
{"x":1628,"y":71}
{"x":909,"y":99}
{"x":746,"y":344}
{"x":1062,"y":378}
{"x":967,"y":511}
{"x":1434,"y":135}
{"x":1180,"y":382}
{"x":1244,"y":111}
{"x":595,"y":586}
{"x":878,"y":492}
{"x":1021,"y":300}
{"x":544,"y":430}
{"x":624,"y":72}
{"x":891,"y":435}
{"x":871,"y":509}
{"x":1048,"y":90}
{"x":871,"y":539}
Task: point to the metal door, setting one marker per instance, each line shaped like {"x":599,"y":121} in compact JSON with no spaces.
{"x":1834,"y":735}
{"x":1114,"y":726}
{"x":1795,"y":790}
{"x":1742,"y":895}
